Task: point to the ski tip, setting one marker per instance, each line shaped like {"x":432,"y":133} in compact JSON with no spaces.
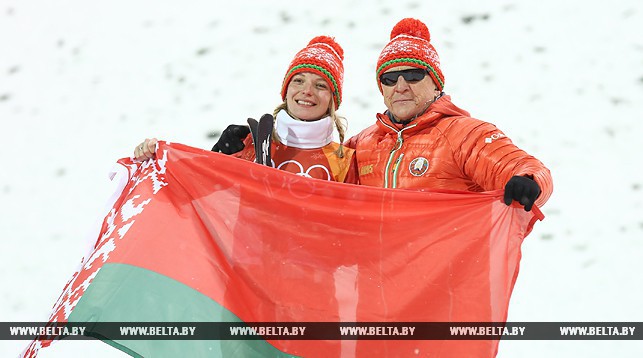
{"x":267,"y":116}
{"x":252,"y":121}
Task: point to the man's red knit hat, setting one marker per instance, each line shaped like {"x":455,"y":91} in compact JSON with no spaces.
{"x":323,"y":56}
{"x":410,"y":46}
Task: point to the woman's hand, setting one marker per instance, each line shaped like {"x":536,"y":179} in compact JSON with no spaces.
{"x":231,"y":140}
{"x":146,"y":149}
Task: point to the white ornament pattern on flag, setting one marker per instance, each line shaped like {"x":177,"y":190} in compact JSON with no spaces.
{"x":153,"y":171}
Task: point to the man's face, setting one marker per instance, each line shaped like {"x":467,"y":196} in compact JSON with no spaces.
{"x":407,"y":99}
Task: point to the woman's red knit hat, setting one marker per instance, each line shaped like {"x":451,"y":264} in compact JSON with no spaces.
{"x":323,"y":56}
{"x":410,"y":46}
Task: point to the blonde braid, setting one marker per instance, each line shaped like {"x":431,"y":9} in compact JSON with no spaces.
{"x":340,"y":124}
{"x":283,"y":106}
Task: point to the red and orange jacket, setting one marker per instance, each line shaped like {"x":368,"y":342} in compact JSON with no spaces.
{"x":442,"y":149}
{"x":320,"y":163}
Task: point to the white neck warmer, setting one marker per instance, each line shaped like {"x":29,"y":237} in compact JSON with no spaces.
{"x":303,"y":134}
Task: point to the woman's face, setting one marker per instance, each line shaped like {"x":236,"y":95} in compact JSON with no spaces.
{"x":308,"y":96}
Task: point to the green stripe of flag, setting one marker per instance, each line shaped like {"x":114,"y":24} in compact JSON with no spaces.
{"x":126,"y":293}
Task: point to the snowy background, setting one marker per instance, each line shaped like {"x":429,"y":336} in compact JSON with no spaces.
{"x":82,"y":82}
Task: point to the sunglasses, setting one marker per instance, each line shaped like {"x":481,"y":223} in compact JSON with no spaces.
{"x":413,"y":75}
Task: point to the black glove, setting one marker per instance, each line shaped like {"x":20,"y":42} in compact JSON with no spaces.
{"x":231,"y":140}
{"x":523,"y":190}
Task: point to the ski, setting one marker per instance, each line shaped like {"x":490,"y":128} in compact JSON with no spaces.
{"x":254,"y":131}
{"x":262,"y":138}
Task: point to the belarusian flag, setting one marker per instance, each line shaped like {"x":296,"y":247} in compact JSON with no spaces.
{"x":198,"y":236}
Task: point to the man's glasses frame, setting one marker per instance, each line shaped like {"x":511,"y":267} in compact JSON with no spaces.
{"x":412,"y":75}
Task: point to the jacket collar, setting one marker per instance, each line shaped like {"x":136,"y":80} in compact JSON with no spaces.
{"x":440,"y":109}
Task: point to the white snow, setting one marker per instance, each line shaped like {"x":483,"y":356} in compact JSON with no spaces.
{"x":83,"y":82}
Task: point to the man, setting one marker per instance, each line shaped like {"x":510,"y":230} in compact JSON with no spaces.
{"x":424,"y":141}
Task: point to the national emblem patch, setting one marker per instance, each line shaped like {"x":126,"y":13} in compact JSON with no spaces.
{"x":419,"y":166}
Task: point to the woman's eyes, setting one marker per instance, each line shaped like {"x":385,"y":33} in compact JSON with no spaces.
{"x":321,"y":85}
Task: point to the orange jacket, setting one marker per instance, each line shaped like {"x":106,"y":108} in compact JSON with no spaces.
{"x":320,"y":163}
{"x":444,"y":149}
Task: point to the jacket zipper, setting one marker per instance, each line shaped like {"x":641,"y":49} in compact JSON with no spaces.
{"x":397,"y":164}
{"x":398,"y":145}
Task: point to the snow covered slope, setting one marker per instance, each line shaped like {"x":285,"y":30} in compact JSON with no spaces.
{"x":82,"y":82}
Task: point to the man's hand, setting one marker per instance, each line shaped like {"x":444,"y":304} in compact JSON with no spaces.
{"x":523,"y":190}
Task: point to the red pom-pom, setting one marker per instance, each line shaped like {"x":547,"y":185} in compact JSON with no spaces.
{"x":412,"y":27}
{"x":330,"y":42}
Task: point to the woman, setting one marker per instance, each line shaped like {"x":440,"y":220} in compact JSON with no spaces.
{"x":303,"y":136}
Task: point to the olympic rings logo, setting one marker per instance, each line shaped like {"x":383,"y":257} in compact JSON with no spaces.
{"x":306,"y":173}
